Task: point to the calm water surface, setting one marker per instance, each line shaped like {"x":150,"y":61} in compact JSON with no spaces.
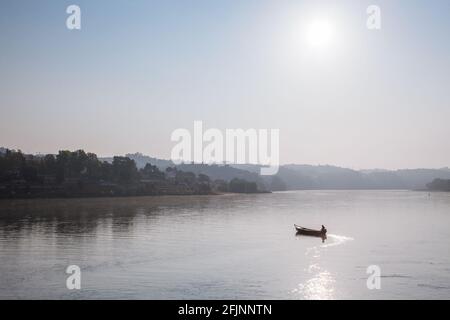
{"x":227,"y":247}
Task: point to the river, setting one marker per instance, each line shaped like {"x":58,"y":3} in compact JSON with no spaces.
{"x":228,"y":246}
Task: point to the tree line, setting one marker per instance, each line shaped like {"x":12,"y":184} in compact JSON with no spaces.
{"x":82,"y":173}
{"x":439,"y":185}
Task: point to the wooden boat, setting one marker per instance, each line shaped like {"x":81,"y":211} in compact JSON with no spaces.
{"x":310,"y":232}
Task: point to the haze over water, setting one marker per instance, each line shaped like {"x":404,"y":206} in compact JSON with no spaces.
{"x":228,"y":247}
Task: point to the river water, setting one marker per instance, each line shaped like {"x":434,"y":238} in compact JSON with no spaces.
{"x":228,"y":246}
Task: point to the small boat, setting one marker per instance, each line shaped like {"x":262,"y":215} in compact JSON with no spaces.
{"x":310,"y":232}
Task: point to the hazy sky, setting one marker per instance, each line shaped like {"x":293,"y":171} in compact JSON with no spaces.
{"x":137,"y":70}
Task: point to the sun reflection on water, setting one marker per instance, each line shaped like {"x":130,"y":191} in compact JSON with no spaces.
{"x":319,"y":287}
{"x":320,"y":284}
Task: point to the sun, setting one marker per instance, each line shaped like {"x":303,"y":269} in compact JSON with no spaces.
{"x":320,"y":33}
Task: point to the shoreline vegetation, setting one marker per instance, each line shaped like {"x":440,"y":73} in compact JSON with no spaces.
{"x":439,"y":185}
{"x":79,"y":174}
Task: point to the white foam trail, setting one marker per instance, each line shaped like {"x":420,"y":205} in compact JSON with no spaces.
{"x":336,"y":240}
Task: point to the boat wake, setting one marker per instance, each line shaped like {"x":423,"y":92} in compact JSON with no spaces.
{"x":335,"y":240}
{"x":332,"y":241}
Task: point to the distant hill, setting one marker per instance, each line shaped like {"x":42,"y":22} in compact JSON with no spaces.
{"x":330,"y":177}
{"x":141,"y":160}
{"x":301,"y":177}
{"x":307,"y":177}
{"x":327,"y":177}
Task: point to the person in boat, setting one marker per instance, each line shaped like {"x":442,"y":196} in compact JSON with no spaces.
{"x":323,"y":230}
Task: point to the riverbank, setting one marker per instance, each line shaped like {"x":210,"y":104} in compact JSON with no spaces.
{"x":57,"y":193}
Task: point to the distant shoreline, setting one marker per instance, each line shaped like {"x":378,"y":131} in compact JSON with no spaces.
{"x":107,"y":196}
{"x":80,"y":197}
